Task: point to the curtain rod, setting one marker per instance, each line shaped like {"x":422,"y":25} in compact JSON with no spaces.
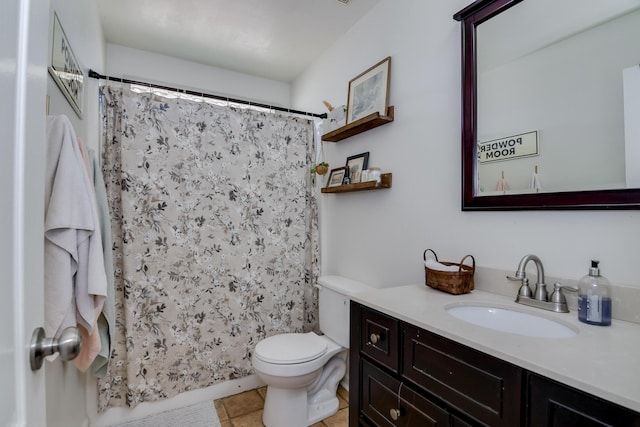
{"x":96,"y":75}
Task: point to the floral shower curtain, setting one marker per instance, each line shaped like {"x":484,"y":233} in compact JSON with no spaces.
{"x":215,"y":230}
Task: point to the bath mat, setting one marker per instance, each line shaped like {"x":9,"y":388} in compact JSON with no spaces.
{"x":199,"y":415}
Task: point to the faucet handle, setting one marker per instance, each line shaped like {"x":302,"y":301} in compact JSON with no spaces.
{"x":558,"y":287}
{"x":558,"y":297}
{"x":519,"y":275}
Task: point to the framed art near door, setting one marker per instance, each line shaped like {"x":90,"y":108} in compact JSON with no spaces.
{"x":65,"y":68}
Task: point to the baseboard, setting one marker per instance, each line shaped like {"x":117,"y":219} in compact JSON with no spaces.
{"x":120,"y":415}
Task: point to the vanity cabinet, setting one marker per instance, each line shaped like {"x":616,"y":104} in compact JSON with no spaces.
{"x":402,"y":375}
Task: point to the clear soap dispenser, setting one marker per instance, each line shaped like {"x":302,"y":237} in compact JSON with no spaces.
{"x":594,"y":298}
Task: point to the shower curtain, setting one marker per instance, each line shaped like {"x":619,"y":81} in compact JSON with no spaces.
{"x":215,"y":230}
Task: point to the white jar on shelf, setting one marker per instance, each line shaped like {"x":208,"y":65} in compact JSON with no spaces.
{"x":375,"y":175}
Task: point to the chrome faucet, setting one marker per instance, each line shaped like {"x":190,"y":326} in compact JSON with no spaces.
{"x":525,"y":290}
{"x":538,"y":298}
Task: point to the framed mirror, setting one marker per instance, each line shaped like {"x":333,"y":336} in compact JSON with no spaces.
{"x":551,"y":104}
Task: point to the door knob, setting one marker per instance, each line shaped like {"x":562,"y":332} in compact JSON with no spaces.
{"x":67,"y":345}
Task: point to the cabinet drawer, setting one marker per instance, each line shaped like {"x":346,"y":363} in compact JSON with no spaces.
{"x":379,"y":338}
{"x":482,"y":386}
{"x":380,"y":397}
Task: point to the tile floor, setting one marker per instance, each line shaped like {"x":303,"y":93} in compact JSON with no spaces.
{"x":245,"y":410}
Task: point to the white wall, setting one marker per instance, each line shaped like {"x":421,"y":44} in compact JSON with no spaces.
{"x":379,"y":236}
{"x":66,"y":404}
{"x":164,"y":70}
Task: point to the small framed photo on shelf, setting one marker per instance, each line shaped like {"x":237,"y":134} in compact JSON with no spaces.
{"x":369,"y":92}
{"x":356,"y":164}
{"x":336,"y":177}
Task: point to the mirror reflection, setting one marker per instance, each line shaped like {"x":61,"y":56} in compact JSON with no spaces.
{"x":558,"y":98}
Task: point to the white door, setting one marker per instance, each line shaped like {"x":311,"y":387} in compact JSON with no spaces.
{"x":23,"y":75}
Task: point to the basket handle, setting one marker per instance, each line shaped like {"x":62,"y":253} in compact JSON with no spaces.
{"x":473,"y":262}
{"x":424,"y":256}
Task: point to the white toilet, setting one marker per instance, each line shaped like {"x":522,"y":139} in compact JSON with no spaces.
{"x":302,"y":371}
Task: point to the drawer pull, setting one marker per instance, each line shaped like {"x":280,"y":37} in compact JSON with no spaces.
{"x":374,"y":339}
{"x":395,"y":414}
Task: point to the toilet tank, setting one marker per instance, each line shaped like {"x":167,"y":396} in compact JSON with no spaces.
{"x":333,"y":303}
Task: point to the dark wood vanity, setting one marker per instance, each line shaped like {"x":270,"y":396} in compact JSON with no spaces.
{"x":402,"y":375}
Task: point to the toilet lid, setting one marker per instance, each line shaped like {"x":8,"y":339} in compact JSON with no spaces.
{"x":286,"y":349}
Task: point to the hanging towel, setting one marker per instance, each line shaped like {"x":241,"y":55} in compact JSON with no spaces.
{"x":91,"y":339}
{"x":107,"y":319}
{"x":535,"y":183}
{"x":502,"y":185}
{"x":91,"y":344}
{"x":75,"y":279}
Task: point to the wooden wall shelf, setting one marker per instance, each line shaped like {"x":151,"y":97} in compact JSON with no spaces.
{"x":361,"y":186}
{"x":364,"y":124}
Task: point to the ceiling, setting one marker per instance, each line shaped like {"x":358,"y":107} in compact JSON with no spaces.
{"x":274,"y":39}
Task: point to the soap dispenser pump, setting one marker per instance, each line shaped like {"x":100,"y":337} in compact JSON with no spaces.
{"x":594,"y":298}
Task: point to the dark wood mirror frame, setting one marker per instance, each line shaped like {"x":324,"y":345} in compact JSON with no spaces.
{"x":469,"y":17}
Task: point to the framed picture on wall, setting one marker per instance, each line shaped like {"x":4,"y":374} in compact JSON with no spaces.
{"x":356,"y":165}
{"x":336,"y":177}
{"x":369,"y":92}
{"x":65,"y":68}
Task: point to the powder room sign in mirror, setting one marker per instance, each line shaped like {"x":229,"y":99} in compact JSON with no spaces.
{"x":65,"y":68}
{"x":567,"y":72}
{"x":507,"y":148}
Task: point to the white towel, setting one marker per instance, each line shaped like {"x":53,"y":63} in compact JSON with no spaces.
{"x":75,"y":281}
{"x":535,"y":183}
{"x":435,"y":265}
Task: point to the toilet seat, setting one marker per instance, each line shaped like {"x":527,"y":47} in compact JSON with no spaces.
{"x":292,"y":348}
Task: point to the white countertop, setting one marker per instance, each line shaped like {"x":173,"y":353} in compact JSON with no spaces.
{"x":600,"y":360}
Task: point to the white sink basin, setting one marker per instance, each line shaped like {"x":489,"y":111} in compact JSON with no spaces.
{"x":512,"y":321}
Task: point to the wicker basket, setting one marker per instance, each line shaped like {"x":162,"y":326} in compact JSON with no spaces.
{"x":454,"y":282}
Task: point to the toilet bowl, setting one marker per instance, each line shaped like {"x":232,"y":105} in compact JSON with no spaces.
{"x":302,"y":370}
{"x":301,"y":376}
